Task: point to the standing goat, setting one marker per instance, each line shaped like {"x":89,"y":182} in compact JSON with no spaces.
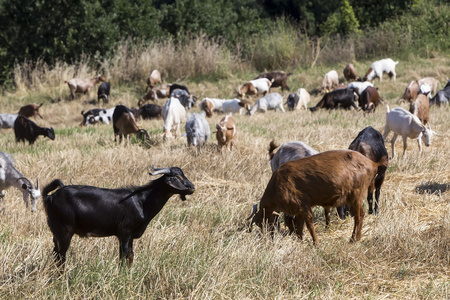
{"x":197,"y":130}
{"x":78,"y":85}
{"x":328,"y":179}
{"x":103,"y":92}
{"x":173,"y":114}
{"x":404,"y":123}
{"x":153,"y":79}
{"x":226,"y":133}
{"x":124,"y":124}
{"x":25,"y":129}
{"x":10,"y":176}
{"x":123,"y":212}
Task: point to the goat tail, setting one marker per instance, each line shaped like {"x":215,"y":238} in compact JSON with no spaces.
{"x":272,"y":147}
{"x":49,"y":188}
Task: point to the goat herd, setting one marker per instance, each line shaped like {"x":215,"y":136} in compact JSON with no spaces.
{"x":302,"y":178}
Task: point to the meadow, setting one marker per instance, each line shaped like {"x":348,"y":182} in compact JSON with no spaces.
{"x":201,"y":248}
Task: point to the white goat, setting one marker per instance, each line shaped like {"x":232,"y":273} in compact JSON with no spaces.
{"x":359,"y":87}
{"x":10,"y":176}
{"x":330,"y":81}
{"x":210,"y":105}
{"x":404,"y":123}
{"x":298,"y":100}
{"x":268,"y":102}
{"x":7,"y":120}
{"x":379,"y":67}
{"x":173,"y":114}
{"x":255,"y":87}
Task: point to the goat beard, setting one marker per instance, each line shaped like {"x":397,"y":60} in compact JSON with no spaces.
{"x":183,"y":197}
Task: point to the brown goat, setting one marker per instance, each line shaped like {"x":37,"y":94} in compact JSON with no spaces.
{"x":124,"y":124}
{"x":369,"y":99}
{"x":329,"y":179}
{"x":30,"y":110}
{"x":410,"y":93}
{"x":421,"y":108}
{"x":350,"y":73}
{"x":278,"y":78}
{"x":153,"y":79}
{"x":226,"y":133}
{"x":77,"y":85}
{"x":154,"y":94}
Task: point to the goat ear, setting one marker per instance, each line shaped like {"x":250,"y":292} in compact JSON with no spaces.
{"x":218,"y":127}
{"x":176,"y":183}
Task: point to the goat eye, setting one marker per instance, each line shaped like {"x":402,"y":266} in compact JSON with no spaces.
{"x":179,"y":177}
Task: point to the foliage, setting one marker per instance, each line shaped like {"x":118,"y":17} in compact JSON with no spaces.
{"x":342,"y":22}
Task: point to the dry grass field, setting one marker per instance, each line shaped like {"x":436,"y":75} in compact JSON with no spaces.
{"x":200,"y":248}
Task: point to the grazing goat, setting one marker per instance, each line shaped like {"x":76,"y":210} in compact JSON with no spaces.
{"x":411,"y":92}
{"x":96,"y":115}
{"x":124,"y":124}
{"x":442,"y":97}
{"x":329,"y":179}
{"x":197,"y":130}
{"x":153,"y":79}
{"x":329,"y":82}
{"x":78,"y":85}
{"x":433,"y":83}
{"x":10,"y":176}
{"x":186,"y":99}
{"x":278,"y":78}
{"x":148,"y":111}
{"x":91,"y":117}
{"x":103,"y":92}
{"x":369,"y":99}
{"x":421,"y":107}
{"x":226,"y":133}
{"x":404,"y":123}
{"x":255,"y":87}
{"x":211,"y":105}
{"x":359,"y":87}
{"x":298,"y":100}
{"x":370,"y":143}
{"x":344,"y":98}
{"x":272,"y":101}
{"x":350,"y":73}
{"x":25,"y":129}
{"x":30,"y":110}
{"x":124,"y":212}
{"x":7,"y":120}
{"x":173,"y":114}
{"x":379,"y":67}
{"x":162,"y":91}
{"x":287,"y":152}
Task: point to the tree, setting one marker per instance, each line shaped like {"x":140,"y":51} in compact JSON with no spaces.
{"x":343,"y":21}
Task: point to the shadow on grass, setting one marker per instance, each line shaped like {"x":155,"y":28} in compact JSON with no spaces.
{"x":432,"y":188}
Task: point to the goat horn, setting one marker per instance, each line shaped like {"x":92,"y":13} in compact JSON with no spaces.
{"x":37,"y":183}
{"x":29,"y":181}
{"x":158,"y":171}
{"x":255,"y":208}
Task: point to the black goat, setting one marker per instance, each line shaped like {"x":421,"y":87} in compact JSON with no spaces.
{"x":103,"y":92}
{"x":370,"y":143}
{"x":25,"y":129}
{"x":175,"y":86}
{"x":147,"y":111}
{"x":123,"y":212}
